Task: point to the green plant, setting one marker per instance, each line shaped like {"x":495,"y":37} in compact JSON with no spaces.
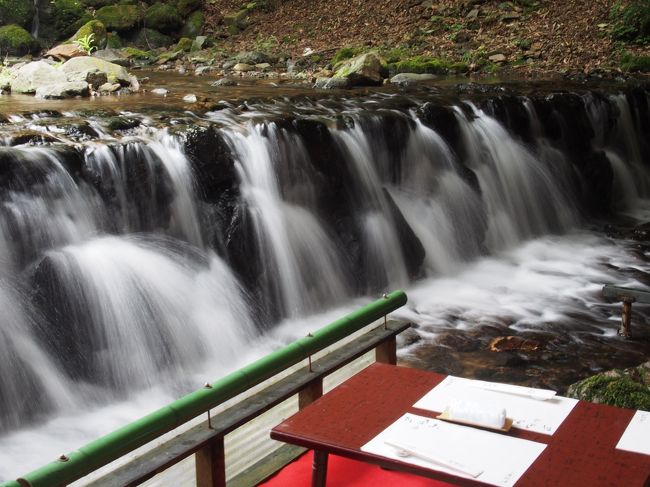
{"x":631,"y":21}
{"x":266,"y":44}
{"x":86,"y":43}
{"x":345,"y":53}
{"x":632,"y":63}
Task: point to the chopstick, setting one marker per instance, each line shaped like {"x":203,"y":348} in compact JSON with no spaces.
{"x":449,"y":463}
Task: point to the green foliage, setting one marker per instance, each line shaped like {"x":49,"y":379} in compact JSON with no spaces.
{"x":523,"y":44}
{"x":133,"y":53}
{"x":346,"y":53}
{"x":16,"y":41}
{"x":67,"y":17}
{"x":19,"y":12}
{"x":113,"y":41}
{"x":429,"y":65}
{"x":119,"y":17}
{"x":187,"y":6}
{"x":266,"y":44}
{"x":631,"y":21}
{"x":632,"y":63}
{"x":86,"y":43}
{"x":94,"y":28}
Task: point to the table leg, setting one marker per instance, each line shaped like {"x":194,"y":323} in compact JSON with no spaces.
{"x":319,"y":469}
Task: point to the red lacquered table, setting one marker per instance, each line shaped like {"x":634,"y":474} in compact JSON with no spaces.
{"x":582,"y":452}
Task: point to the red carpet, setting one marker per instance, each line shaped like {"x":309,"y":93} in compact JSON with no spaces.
{"x":342,"y":472}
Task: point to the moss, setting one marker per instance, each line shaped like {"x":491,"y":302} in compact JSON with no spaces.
{"x":345,"y":53}
{"x":119,"y":17}
{"x":193,"y":25}
{"x":429,"y":65}
{"x":631,"y":21}
{"x":132,"y":52}
{"x":151,"y":39}
{"x":19,"y":12}
{"x":113,"y":41}
{"x":16,"y":41}
{"x":67,"y":16}
{"x":639,"y":64}
{"x":187,"y":6}
{"x":184,"y":44}
{"x":613,"y":389}
{"x":96,"y":28}
{"x":236,"y":22}
{"x":162,"y":17}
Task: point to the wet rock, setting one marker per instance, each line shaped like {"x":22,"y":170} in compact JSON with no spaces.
{"x":122,"y":123}
{"x":63,"y":52}
{"x":332,"y":83}
{"x":408,"y":79}
{"x":364,"y":70}
{"x":190,"y":98}
{"x":224,"y":82}
{"x":29,"y":77}
{"x":160,"y":91}
{"x":31,"y":137}
{"x":243,"y":67}
{"x":78,"y":67}
{"x":115,"y":56}
{"x":254,"y":57}
{"x":68,"y":89}
{"x":511,"y":343}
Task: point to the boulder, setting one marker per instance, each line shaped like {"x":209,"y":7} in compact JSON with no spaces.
{"x":67,"y":89}
{"x":119,"y":17}
{"x":185,"y":7}
{"x":236,"y":22}
{"x":151,"y":39}
{"x":18,"y":12}
{"x":366,"y":69}
{"x":94,"y":77}
{"x":224,"y":82}
{"x":497,"y":58}
{"x":243,"y":67}
{"x":184,"y":44}
{"x":79,"y":65}
{"x":97,"y":29}
{"x":199,"y":43}
{"x":114,"y":56}
{"x":29,"y":77}
{"x":163,"y":17}
{"x":325,"y":83}
{"x":193,"y":25}
{"x":407,"y":79}
{"x":63,"y":52}
{"x":16,"y":41}
{"x":253,"y":57}
{"x":109,"y":87}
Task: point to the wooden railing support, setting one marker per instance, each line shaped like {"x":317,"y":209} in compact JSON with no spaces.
{"x":626,"y":318}
{"x":386,"y":352}
{"x":310,"y":393}
{"x":210,"y":464}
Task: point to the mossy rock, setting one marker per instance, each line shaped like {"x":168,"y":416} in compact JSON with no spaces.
{"x":345,"y":53}
{"x":16,"y":41}
{"x":67,"y":16}
{"x":236,"y":22}
{"x":163,"y":17}
{"x":635,"y":64}
{"x":114,"y":41}
{"x":18,"y":12}
{"x":193,"y":25}
{"x":364,"y":70}
{"x":151,"y":39}
{"x":187,"y":6}
{"x":119,"y":17}
{"x":615,"y":389}
{"x":428,"y":65}
{"x":95,"y":27}
{"x":184,"y":44}
{"x":133,"y":53}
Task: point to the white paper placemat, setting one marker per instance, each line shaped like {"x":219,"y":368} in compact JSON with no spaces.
{"x":541,"y":416}
{"x":498,"y":459}
{"x":636,"y":437}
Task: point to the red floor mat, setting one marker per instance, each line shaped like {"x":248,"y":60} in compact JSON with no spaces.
{"x":342,"y":472}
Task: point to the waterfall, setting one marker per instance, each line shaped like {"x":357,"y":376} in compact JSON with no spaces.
{"x":36,"y":20}
{"x":154,"y":259}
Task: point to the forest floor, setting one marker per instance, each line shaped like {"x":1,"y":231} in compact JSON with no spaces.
{"x":529,"y":38}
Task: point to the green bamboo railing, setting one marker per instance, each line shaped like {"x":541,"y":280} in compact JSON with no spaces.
{"x":108,"y":448}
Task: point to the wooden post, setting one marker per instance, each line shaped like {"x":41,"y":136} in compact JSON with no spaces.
{"x":211,"y":464}
{"x":310,"y":393}
{"x":626,"y":318}
{"x":319,"y":469}
{"x":386,"y":352}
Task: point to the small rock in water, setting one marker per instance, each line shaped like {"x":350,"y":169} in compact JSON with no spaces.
{"x":243,"y":67}
{"x":160,"y":91}
{"x":181,"y":70}
{"x":224,"y":82}
{"x":189,"y":98}
{"x":109,"y":87}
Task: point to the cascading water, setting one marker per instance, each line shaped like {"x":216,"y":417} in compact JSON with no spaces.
{"x":144,"y":265}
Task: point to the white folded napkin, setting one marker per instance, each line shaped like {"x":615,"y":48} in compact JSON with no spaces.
{"x":480,"y":414}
